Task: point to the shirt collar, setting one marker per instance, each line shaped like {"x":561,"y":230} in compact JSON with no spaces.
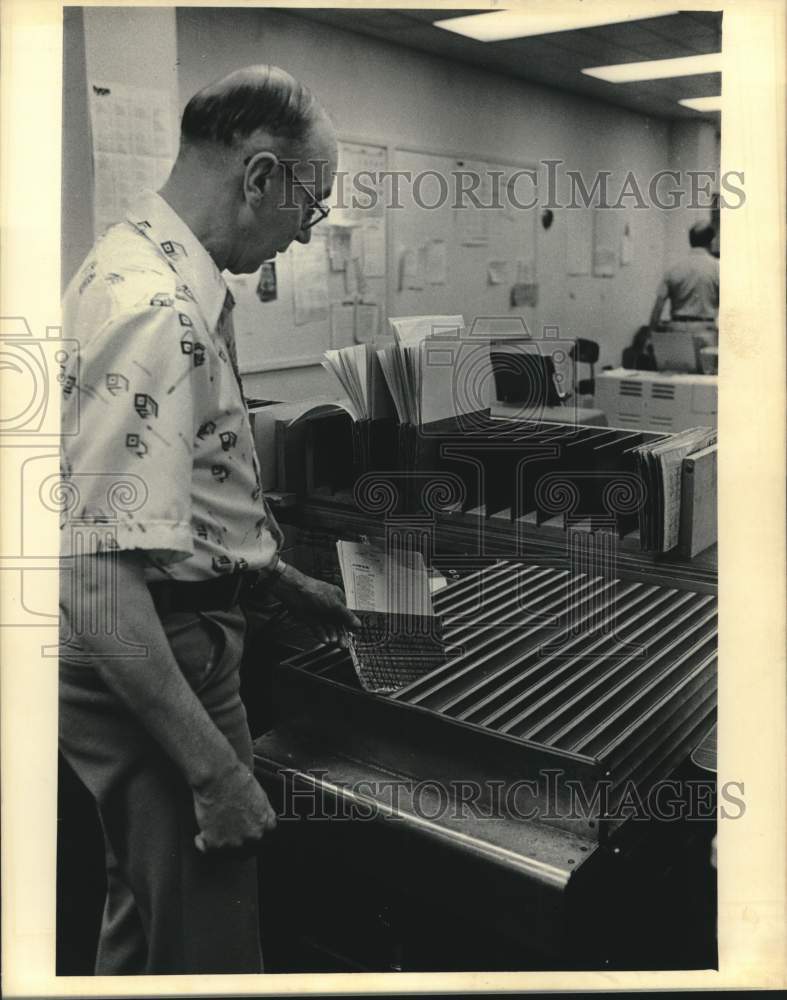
{"x":153,"y":216}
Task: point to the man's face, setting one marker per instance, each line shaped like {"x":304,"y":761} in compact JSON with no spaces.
{"x":268,"y":227}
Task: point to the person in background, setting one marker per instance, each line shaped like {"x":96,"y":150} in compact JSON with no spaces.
{"x":638,"y":356}
{"x":691,"y":286}
{"x":167,"y":530}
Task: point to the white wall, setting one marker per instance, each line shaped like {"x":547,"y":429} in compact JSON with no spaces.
{"x":383,"y":91}
{"x":132,"y":45}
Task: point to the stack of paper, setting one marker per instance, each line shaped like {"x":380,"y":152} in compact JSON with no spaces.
{"x":660,"y":466}
{"x":399,"y":640}
{"x":359,"y":373}
{"x":421,"y":368}
{"x":414,"y":329}
{"x":349,"y":365}
{"x":401,"y":369}
{"x":376,"y":580}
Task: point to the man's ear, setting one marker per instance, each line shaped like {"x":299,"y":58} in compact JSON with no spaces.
{"x":256,"y":176}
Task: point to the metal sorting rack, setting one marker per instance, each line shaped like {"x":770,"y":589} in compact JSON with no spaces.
{"x":513,"y":470}
{"x":600,"y":678}
{"x":542,"y":472}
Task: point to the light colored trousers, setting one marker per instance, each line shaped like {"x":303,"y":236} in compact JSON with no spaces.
{"x":169,"y":908}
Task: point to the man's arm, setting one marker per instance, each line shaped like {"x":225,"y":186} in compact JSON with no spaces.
{"x":321,"y":605}
{"x":658,"y":305}
{"x":232,"y":810}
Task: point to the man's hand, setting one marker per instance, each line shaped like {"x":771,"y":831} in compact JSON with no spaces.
{"x":320,"y":605}
{"x":233,"y":813}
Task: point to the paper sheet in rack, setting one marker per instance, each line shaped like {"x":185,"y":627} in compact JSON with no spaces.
{"x":399,"y":640}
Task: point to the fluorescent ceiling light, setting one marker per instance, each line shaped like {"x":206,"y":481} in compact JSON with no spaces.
{"x":657,"y":69}
{"x":501,"y":24}
{"x":702,"y":103}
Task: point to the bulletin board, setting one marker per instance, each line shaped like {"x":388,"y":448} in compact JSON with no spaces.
{"x":330,"y":292}
{"x":466,"y":260}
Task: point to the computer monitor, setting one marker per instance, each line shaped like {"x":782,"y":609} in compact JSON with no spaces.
{"x":674,"y":351}
{"x":524,"y":375}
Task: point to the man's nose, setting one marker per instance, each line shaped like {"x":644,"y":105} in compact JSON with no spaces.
{"x":304,"y":236}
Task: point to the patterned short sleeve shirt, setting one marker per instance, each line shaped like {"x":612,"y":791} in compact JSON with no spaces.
{"x":163,"y":459}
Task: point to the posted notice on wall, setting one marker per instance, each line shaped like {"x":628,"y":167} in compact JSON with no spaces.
{"x":134,"y":145}
{"x":310,"y":280}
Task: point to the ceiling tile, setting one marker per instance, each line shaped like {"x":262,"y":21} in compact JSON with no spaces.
{"x":589,"y":45}
{"x":557,"y":59}
{"x":702,"y":85}
{"x":627,"y":36}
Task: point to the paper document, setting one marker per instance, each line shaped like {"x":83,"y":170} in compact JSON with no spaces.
{"x":414,"y":329}
{"x":420,"y":368}
{"x":374,"y":248}
{"x":376,"y":580}
{"x":606,"y":240}
{"x":358,"y":193}
{"x":339,"y":246}
{"x":526,"y":270}
{"x":367,"y":322}
{"x":578,"y":241}
{"x":357,"y":370}
{"x":353,"y":279}
{"x":496,"y":271}
{"x":660,"y":466}
{"x":134,"y":145}
{"x":310,"y":281}
{"x":342,"y":324}
{"x":356,"y":243}
{"x":350,"y":366}
{"x":409,"y":274}
{"x":399,"y":639}
{"x":471,"y":215}
{"x":436,"y":262}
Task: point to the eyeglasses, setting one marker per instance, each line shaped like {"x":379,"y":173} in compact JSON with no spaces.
{"x":315,"y":211}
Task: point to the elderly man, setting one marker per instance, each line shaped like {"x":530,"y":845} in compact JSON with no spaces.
{"x":167,"y":529}
{"x":692,"y":285}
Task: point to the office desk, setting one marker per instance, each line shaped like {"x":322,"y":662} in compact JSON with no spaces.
{"x":657,"y":401}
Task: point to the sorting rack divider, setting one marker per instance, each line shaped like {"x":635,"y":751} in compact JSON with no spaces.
{"x":608,"y":682}
{"x":510,"y":470}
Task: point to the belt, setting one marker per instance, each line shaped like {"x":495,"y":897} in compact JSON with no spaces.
{"x":220,"y":593}
{"x":693,"y":319}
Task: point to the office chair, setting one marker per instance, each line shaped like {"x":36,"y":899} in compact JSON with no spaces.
{"x":584,"y":352}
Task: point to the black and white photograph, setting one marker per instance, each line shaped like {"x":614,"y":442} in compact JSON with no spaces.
{"x":395,"y":473}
